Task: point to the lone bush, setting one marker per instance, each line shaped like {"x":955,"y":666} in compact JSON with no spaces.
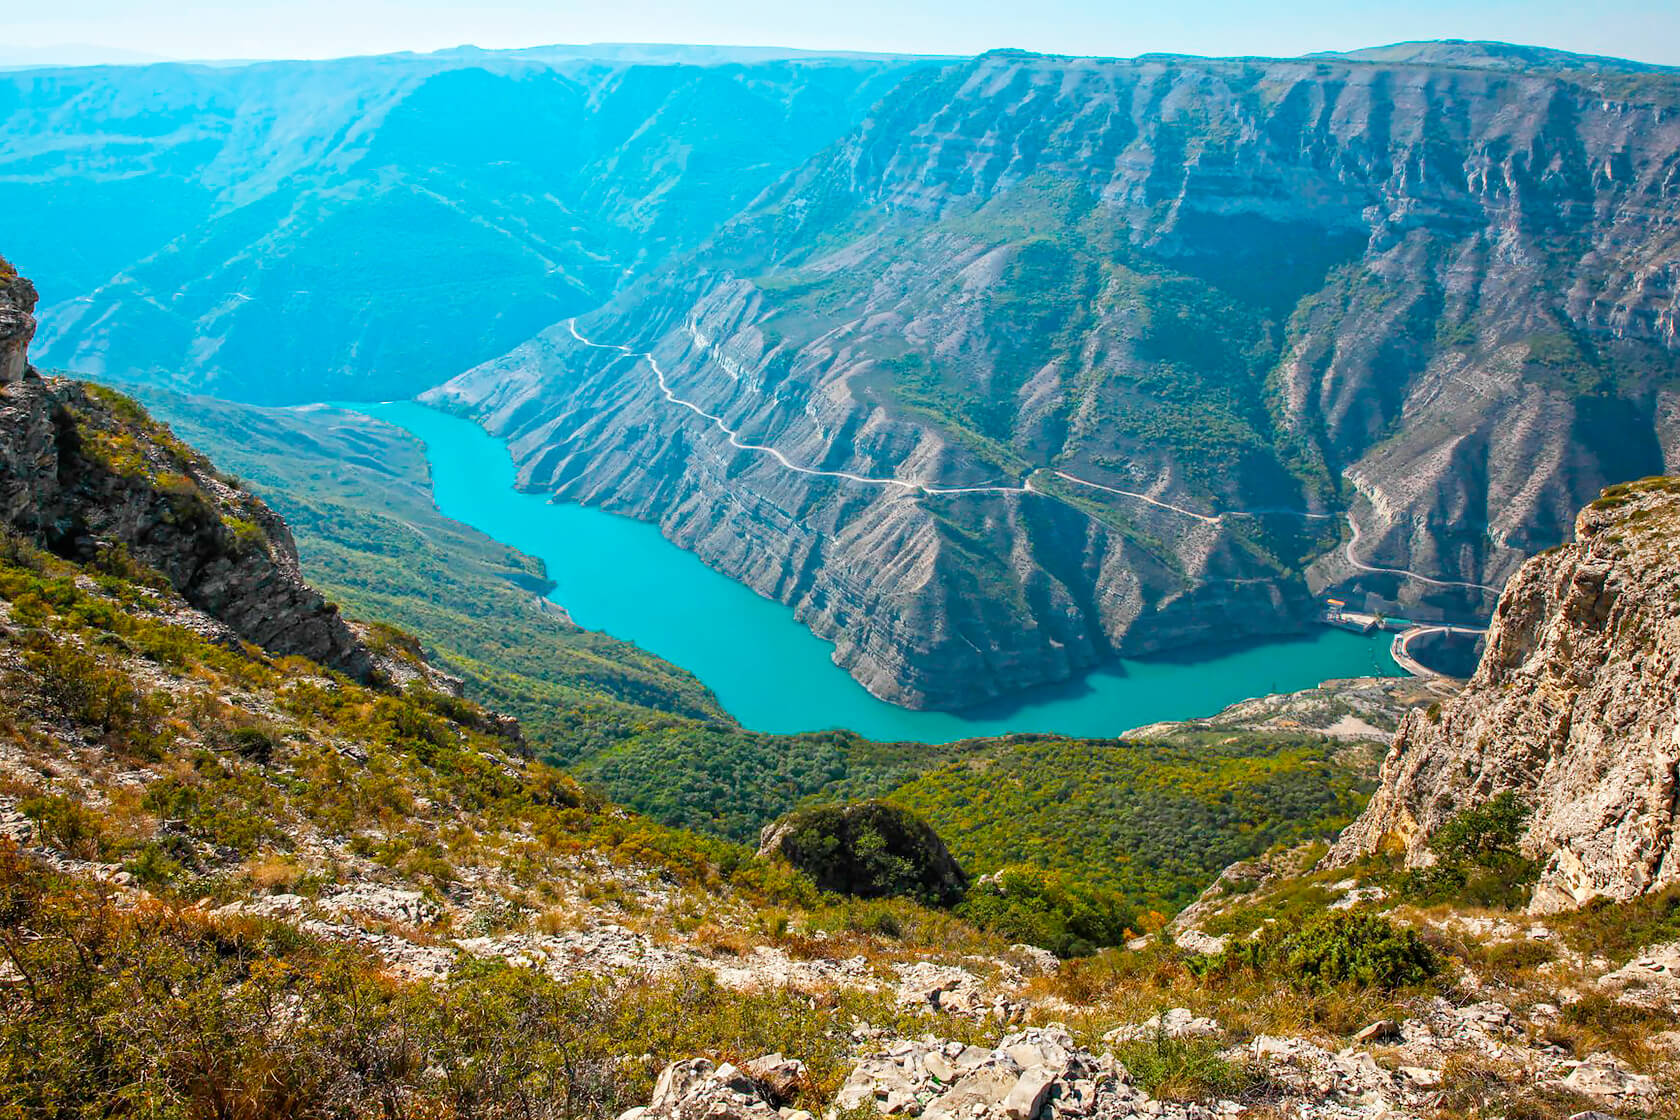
{"x":1050,"y":910}
{"x":1477,"y":859}
{"x":870,"y":850}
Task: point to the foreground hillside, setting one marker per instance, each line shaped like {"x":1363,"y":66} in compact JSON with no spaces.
{"x":1092,"y":356}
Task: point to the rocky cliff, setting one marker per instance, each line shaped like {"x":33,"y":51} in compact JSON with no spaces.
{"x":1093,"y":356}
{"x":17,"y":323}
{"x":85,"y":473}
{"x":1574,"y":709}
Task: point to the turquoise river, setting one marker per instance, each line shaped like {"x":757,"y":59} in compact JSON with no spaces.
{"x":620,"y":575}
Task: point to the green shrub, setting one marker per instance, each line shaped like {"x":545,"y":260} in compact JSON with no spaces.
{"x":1049,"y":910}
{"x":1347,"y":948}
{"x":1478,"y":863}
{"x":65,"y":824}
{"x":1490,"y":829}
{"x":1619,"y":930}
{"x":160,"y":862}
{"x":89,"y":693}
{"x":870,"y":850}
{"x":253,"y":743}
{"x":1183,"y":1069}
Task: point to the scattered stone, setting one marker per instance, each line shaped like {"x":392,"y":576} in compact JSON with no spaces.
{"x":1653,"y":980}
{"x":696,"y":1088}
{"x":1356,"y":895}
{"x":1607,"y":1078}
{"x":1025,"y":1099}
{"x":1379,"y":1030}
{"x":780,"y":1077}
{"x":390,"y":904}
{"x":1178,"y":1022}
{"x":1421,"y":1077}
{"x":1035,"y":961}
{"x":1195,"y":941}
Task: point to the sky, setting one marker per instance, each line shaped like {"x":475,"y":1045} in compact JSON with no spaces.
{"x":1648,"y":30}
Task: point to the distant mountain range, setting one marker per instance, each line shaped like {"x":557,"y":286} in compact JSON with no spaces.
{"x":368,"y":227}
{"x":72,"y":54}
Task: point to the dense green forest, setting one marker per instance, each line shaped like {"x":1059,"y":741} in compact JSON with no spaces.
{"x":1155,"y":821}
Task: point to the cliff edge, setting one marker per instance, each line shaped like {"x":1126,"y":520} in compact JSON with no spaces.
{"x":87,"y":474}
{"x":1575,"y":709}
{"x":17,"y":323}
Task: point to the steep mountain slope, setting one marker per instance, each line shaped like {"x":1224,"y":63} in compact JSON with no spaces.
{"x":1573,"y":710}
{"x":369,"y":227}
{"x":1090,"y":356}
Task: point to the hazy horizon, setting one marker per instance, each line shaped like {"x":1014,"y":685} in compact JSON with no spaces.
{"x":80,"y":31}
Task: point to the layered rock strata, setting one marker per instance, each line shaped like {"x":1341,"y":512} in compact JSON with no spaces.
{"x":1055,"y":359}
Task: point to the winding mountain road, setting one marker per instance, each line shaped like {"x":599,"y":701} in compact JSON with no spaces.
{"x":1026,"y":487}
{"x":1352,"y":558}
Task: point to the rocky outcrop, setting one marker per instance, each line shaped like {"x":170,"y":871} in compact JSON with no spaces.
{"x":17,"y":323}
{"x":697,"y":1088}
{"x":1574,"y":709}
{"x":85,"y":473}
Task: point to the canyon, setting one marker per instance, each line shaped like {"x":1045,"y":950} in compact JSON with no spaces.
{"x":994,"y":370}
{"x":1082,"y":358}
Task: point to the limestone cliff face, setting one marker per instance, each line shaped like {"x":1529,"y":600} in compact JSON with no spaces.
{"x":1575,"y":708}
{"x":17,"y":323}
{"x":84,"y":470}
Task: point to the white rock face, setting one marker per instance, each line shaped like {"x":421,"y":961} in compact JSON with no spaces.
{"x":17,"y":324}
{"x":1575,"y":709}
{"x":1036,"y":1073}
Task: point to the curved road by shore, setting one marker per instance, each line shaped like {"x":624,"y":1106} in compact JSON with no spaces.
{"x":1026,"y":487}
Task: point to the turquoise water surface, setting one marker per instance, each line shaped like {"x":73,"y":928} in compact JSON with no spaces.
{"x":620,"y":575}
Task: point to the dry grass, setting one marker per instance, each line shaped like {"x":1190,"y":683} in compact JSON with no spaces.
{"x":716,"y":941}
{"x":271,"y":872}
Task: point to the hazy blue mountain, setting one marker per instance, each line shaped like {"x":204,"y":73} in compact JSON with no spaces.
{"x":368,"y":227}
{"x":1472,"y":54}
